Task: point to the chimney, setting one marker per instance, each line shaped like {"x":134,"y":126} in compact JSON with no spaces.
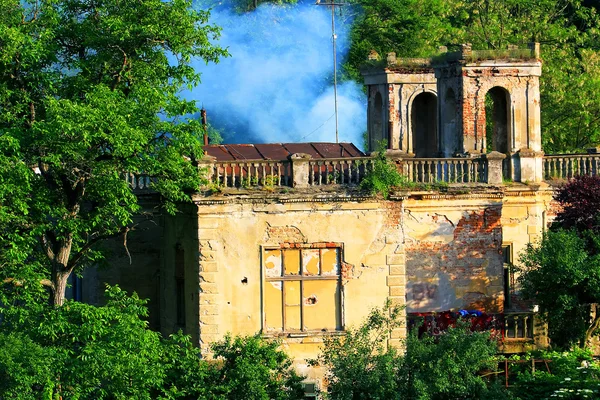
{"x":204,"y":125}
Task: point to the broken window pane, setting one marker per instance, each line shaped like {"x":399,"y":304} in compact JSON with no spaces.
{"x":310,"y":262}
{"x":273,"y":263}
{"x":330,"y":261}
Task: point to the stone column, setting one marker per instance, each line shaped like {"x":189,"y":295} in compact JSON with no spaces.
{"x":206,"y":168}
{"x":530,"y":162}
{"x":300,"y":169}
{"x":494,"y":167}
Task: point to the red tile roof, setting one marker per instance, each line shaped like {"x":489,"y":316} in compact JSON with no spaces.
{"x":280,"y":151}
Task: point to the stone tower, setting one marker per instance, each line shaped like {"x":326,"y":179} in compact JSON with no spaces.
{"x":461,"y":104}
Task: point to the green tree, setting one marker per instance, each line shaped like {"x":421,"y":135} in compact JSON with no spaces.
{"x":410,"y":28}
{"x":562,"y":275}
{"x":89,"y":90}
{"x":562,"y":272}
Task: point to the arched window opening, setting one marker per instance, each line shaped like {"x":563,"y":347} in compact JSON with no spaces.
{"x":377,"y":118}
{"x":497,"y":128}
{"x":424,"y":125}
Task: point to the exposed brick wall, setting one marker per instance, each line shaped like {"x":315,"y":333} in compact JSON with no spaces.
{"x":463,"y":273}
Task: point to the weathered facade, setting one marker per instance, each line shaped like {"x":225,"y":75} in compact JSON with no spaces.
{"x":284,"y":243}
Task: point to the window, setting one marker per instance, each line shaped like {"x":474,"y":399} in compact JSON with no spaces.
{"x":302,"y":291}
{"x":507,"y":260}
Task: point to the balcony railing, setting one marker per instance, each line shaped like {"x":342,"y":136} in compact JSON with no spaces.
{"x":507,"y":326}
{"x":250,"y":173}
{"x":308,"y":172}
{"x":566,"y":166}
{"x":518,"y":325}
{"x":450,"y":170}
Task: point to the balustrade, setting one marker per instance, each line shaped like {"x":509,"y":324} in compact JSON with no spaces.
{"x":338,"y":171}
{"x":250,"y":173}
{"x":518,"y":326}
{"x":138,"y":181}
{"x":566,"y":166}
{"x":450,"y":170}
{"x":305,"y":171}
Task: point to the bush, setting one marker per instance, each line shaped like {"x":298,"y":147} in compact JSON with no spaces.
{"x":79,"y":351}
{"x":447,"y":366}
{"x":574,"y":375}
{"x":361,"y":365}
{"x":384,"y":175}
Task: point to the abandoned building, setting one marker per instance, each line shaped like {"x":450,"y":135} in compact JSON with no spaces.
{"x":284,"y":242}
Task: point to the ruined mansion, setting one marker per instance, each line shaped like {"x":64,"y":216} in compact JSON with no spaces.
{"x":284,"y":243}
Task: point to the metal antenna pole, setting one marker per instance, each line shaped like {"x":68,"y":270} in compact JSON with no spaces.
{"x":334,"y":72}
{"x":334,"y":37}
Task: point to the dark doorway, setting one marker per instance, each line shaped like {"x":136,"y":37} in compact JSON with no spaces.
{"x":377,"y":124}
{"x":497,"y":129}
{"x":424,"y":125}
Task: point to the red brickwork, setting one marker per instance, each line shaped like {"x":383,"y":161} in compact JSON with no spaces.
{"x":448,"y":270}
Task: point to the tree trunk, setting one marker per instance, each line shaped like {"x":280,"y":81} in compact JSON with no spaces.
{"x":595,"y":314}
{"x":59,"y":288}
{"x":61,"y":272}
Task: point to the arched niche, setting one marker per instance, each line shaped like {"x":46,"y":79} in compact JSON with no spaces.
{"x":424,"y":125}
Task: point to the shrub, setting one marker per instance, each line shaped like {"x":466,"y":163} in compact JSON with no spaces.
{"x":383,"y":176}
{"x":79,"y":351}
{"x":574,"y":375}
{"x":361,"y":365}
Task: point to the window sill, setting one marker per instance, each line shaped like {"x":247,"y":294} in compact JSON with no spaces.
{"x":301,"y":335}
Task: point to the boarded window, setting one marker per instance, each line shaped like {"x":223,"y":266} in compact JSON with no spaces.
{"x":302,"y":291}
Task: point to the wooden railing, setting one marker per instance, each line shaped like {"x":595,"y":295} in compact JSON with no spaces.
{"x":450,"y":170}
{"x":566,"y":166}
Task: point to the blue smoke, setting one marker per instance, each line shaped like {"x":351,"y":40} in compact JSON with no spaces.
{"x":277,"y":86}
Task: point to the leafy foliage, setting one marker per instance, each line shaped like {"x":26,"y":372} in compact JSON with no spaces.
{"x":361,"y":364}
{"x":447,"y":367}
{"x":383,"y":176}
{"x":80,"y":351}
{"x":562,"y":273}
{"x":271,"y":378}
{"x":89,"y":90}
{"x":574,"y":375}
{"x":580,"y":202}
